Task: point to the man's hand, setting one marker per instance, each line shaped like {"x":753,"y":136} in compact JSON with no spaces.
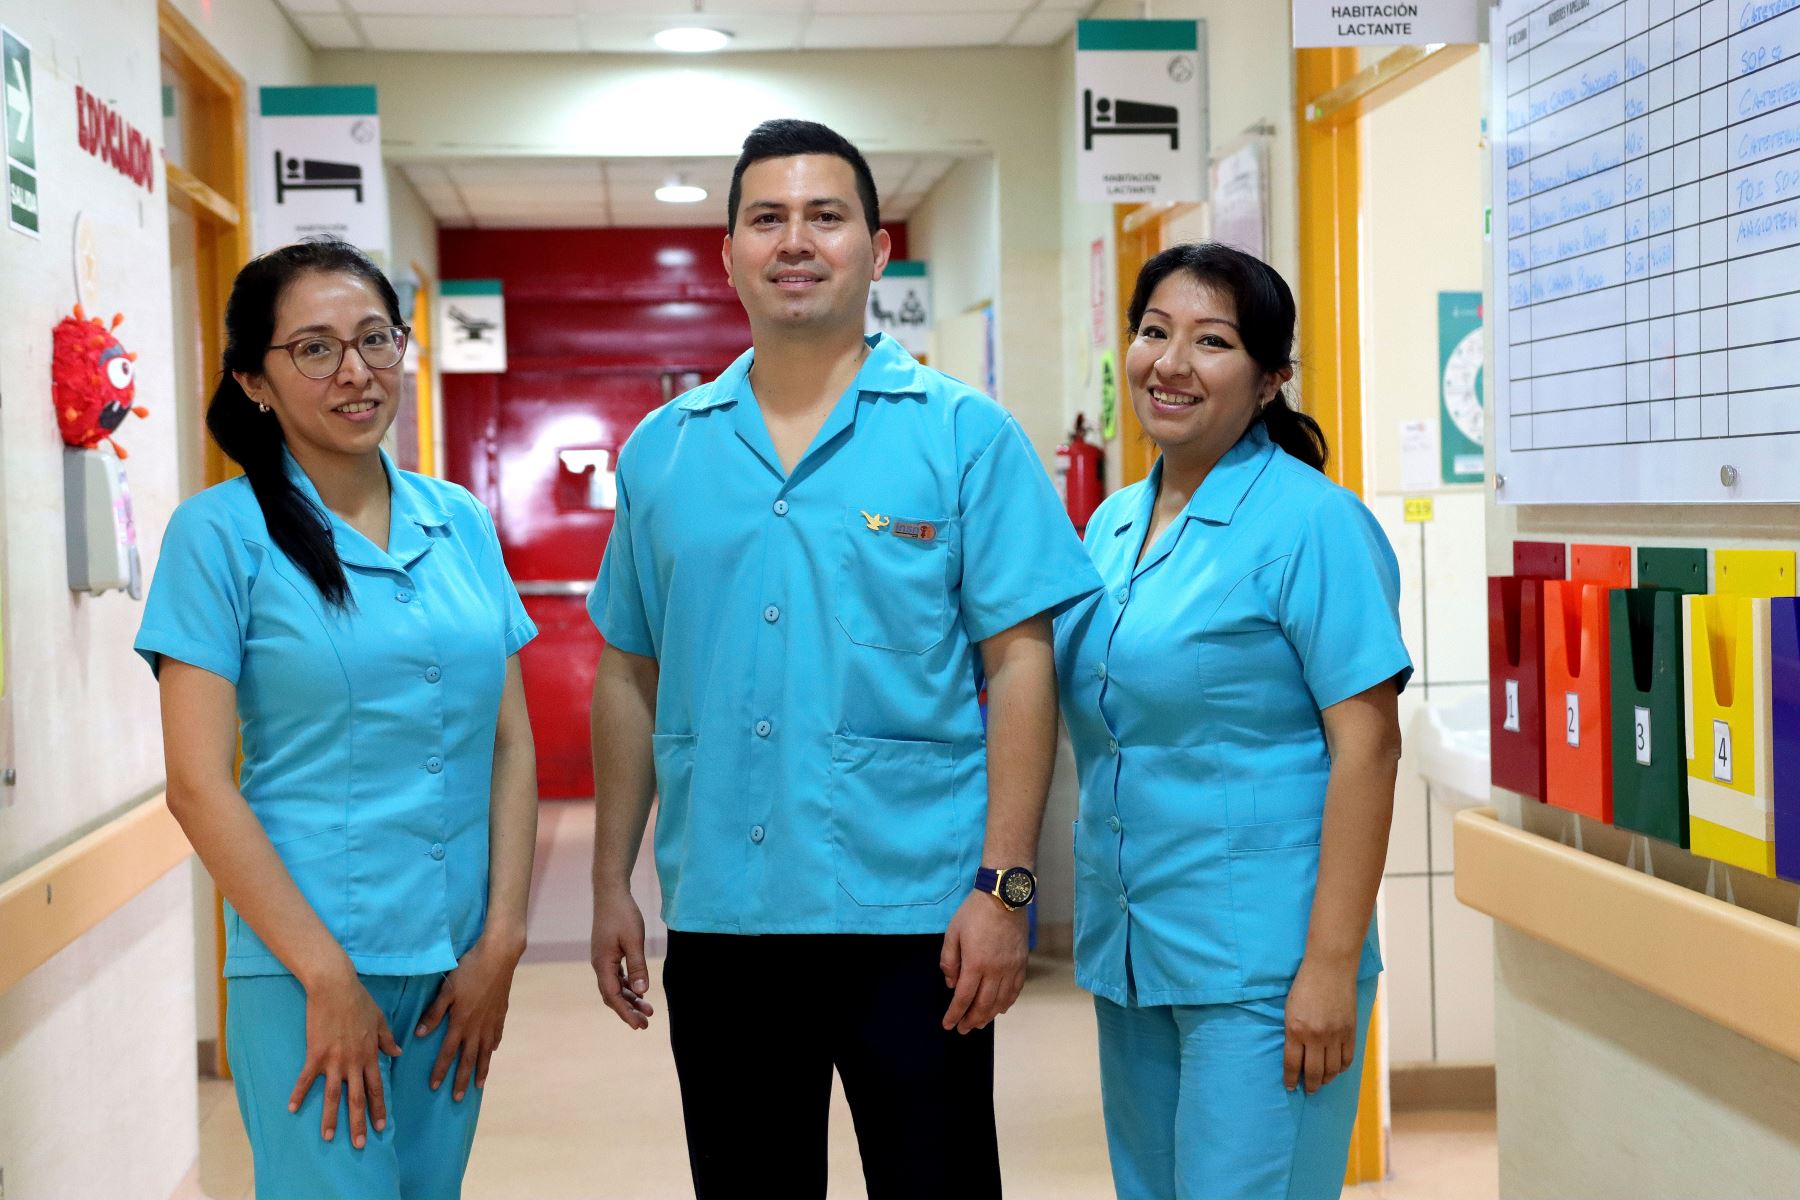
{"x":984,"y":956}
{"x":617,"y":950}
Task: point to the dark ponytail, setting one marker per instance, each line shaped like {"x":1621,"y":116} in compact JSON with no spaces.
{"x":251,"y":437}
{"x":1265,"y":317}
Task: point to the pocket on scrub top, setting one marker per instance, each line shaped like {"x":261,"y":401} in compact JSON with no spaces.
{"x":893,"y":588}
{"x":896,"y":821}
{"x":1274,"y":872}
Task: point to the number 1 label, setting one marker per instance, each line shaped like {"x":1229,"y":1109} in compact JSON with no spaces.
{"x":1640,"y":730}
{"x":1572,"y":715}
{"x":1721,"y":751}
{"x":1511,"y":724}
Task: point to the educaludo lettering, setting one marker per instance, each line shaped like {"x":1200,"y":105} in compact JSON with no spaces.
{"x":107,"y":136}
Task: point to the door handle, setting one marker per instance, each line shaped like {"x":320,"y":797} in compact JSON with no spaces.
{"x":554,"y":587}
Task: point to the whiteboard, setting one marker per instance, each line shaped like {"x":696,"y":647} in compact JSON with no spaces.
{"x":1646,"y":250}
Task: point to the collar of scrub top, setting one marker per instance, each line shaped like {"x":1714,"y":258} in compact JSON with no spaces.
{"x":412,"y":517}
{"x":888,"y":371}
{"x":1215,"y":501}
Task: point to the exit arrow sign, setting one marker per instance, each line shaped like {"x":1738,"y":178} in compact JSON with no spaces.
{"x":21,"y":142}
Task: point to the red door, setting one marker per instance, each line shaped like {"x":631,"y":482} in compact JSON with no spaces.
{"x":603,"y":325}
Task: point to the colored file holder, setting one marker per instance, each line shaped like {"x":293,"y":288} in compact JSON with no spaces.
{"x":1577,"y":682}
{"x":1516,"y":683}
{"x":1784,"y":671}
{"x":1730,"y":709}
{"x":1649,"y":733}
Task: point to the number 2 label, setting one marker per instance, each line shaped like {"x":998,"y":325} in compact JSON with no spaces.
{"x":1640,"y":730}
{"x":1511,"y":724}
{"x":1721,"y":766}
{"x":1572,"y":716}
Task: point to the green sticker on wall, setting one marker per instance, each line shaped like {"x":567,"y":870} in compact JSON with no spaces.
{"x":1109,"y":398}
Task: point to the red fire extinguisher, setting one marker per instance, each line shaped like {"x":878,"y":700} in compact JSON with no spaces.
{"x":1079,"y":474}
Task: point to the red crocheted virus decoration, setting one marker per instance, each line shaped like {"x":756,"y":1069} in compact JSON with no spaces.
{"x":92,"y":381}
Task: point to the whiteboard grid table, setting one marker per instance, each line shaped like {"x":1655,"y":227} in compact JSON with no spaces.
{"x":1647,"y":265}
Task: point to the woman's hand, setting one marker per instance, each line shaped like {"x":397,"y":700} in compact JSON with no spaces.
{"x":1321,"y":1024}
{"x":345,"y":1038}
{"x":475,"y":996}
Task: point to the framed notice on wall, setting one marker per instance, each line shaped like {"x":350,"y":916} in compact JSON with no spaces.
{"x":1646,"y":321}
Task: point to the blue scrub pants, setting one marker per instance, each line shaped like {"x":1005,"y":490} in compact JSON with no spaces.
{"x":419,"y":1156}
{"x":1196,"y":1109}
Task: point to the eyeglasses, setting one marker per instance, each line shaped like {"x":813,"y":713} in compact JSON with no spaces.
{"x":319,"y":355}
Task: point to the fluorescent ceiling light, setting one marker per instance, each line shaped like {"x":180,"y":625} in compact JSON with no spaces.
{"x":692,"y":39}
{"x":677,"y":192}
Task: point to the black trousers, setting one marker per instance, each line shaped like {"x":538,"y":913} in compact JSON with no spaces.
{"x":759,"y":1023}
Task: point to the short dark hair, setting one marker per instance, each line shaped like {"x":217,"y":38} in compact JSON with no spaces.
{"x":252,"y":438}
{"x":1265,"y":317}
{"x":786,"y":137}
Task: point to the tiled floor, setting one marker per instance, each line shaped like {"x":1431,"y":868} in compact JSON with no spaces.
{"x":580,"y":1108}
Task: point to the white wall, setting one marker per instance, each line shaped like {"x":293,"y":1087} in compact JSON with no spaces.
{"x":956,"y":229}
{"x":97,"y":1095}
{"x":1422,"y":188}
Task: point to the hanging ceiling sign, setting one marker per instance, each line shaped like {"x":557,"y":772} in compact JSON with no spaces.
{"x":900,"y":306}
{"x":471,"y":327}
{"x":318,"y":168}
{"x":1407,"y":23}
{"x":1142,"y":111}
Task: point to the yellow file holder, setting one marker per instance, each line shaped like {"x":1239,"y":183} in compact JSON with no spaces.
{"x":1731,"y":814}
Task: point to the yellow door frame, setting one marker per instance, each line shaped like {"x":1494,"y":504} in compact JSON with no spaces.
{"x":212,"y":184}
{"x":1331,"y":95}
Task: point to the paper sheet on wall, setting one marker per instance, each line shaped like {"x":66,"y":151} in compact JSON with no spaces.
{"x":1647,"y":189}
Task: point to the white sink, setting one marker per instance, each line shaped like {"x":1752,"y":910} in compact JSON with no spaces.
{"x":1448,"y":746}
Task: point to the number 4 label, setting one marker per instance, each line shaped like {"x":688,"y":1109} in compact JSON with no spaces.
{"x":1721,"y":751}
{"x":1572,"y":716}
{"x":1640,"y":730}
{"x":1511,"y":724}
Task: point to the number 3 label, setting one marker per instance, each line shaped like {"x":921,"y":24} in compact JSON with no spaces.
{"x":1511,"y":724}
{"x":1572,"y":715}
{"x":1640,"y":729}
{"x":1721,"y":752}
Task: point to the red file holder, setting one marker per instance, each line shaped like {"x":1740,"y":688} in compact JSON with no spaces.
{"x":1516,"y":683}
{"x":1578,"y":683}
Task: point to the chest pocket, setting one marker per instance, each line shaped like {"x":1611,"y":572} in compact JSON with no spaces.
{"x":893,"y":587}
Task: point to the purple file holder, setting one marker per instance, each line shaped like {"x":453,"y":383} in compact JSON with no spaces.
{"x":1784,"y":672}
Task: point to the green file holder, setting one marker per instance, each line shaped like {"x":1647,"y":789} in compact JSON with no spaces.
{"x":1649,"y":735}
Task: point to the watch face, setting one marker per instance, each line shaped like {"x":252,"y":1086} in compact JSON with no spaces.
{"x":1017,"y":887}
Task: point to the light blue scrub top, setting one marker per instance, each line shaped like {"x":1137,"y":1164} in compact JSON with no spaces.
{"x":1192,"y":687}
{"x":368,"y":732}
{"x":820,"y":757}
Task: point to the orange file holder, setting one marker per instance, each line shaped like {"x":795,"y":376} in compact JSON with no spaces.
{"x":1578,"y":681}
{"x":1731,"y":814}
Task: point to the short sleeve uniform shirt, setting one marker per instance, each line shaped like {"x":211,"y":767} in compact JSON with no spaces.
{"x":368,"y":732}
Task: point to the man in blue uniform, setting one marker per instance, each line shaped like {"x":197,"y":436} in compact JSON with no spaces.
{"x":816,"y":561}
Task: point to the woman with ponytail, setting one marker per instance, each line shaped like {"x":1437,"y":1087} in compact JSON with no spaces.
{"x":356,"y":624}
{"x":1231,"y":696}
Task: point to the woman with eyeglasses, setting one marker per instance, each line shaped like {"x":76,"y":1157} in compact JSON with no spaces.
{"x":356,"y":623}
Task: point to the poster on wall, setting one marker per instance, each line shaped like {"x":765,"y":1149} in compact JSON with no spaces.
{"x":1460,"y":402}
{"x":318,"y":169}
{"x":1142,"y":135}
{"x":21,"y":135}
{"x":1412,"y":23}
{"x":900,"y":305}
{"x":471,"y":327}
{"x":1240,"y":197}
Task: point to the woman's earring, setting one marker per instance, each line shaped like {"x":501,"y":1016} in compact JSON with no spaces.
{"x":263,"y":407}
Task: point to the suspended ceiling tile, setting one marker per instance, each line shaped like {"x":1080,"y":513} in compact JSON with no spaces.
{"x":469,"y":34}
{"x":685,"y":9}
{"x":464,"y":8}
{"x":891,"y":8}
{"x":1044,"y":28}
{"x":528,"y":172}
{"x":328,"y":31}
{"x":896,"y":31}
{"x":901,"y":207}
{"x":297,"y":7}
